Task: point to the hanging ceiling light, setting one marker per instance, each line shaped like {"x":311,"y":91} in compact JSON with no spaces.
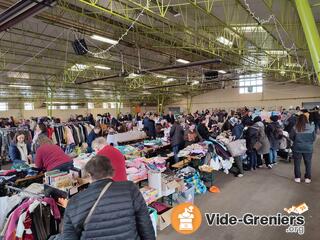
{"x":182,"y":61}
{"x":104,"y":39}
{"x":102,"y":67}
{"x":169,"y":80}
{"x":195,"y":82}
{"x":225,"y":41}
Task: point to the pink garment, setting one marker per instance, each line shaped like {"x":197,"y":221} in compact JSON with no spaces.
{"x":132,"y":170}
{"x":14,"y":217}
{"x":70,"y":139}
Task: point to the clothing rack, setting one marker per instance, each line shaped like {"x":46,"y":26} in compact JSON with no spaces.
{"x":25,"y":191}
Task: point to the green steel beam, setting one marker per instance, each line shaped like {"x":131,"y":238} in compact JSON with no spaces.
{"x":311,"y":32}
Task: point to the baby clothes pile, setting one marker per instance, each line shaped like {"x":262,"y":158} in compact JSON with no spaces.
{"x":193,"y":149}
{"x":192,"y":178}
{"x":136,"y":169}
{"x":156,"y":163}
{"x":126,"y":149}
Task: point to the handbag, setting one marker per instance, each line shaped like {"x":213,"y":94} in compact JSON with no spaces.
{"x":237,"y":148}
{"x":257,"y":146}
{"x":95,"y":204}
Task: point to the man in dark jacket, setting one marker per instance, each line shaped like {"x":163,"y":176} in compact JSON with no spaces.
{"x":177,"y":139}
{"x":170,"y":118}
{"x":121,"y":212}
{"x":203,"y":130}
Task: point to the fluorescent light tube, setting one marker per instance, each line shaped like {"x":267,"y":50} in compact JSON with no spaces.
{"x":102,"y":67}
{"x":222,"y":72}
{"x":169,"y":80}
{"x":225,"y":41}
{"x":182,"y":61}
{"x":19,"y":86}
{"x":195,"y":82}
{"x":104,"y":39}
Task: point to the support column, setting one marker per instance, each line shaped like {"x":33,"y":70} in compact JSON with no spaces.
{"x":311,"y":32}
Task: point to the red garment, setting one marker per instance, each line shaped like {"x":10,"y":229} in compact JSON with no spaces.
{"x":50,"y":132}
{"x":117,"y":161}
{"x":50,"y":156}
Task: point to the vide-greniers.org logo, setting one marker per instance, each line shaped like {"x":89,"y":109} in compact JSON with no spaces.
{"x":295,"y":223}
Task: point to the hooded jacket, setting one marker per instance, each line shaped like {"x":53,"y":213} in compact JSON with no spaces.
{"x":262,"y":138}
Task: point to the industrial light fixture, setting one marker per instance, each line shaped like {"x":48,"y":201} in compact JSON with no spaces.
{"x":195,"y":82}
{"x":22,"y":75}
{"x":160,"y":76}
{"x":102,"y":67}
{"x":104,"y":39}
{"x":224,"y":41}
{"x":222,"y":71}
{"x":146,"y":93}
{"x":182,"y":61}
{"x":133,"y":75}
{"x":277,"y":52}
{"x":249,"y":29}
{"x":78,"y":67}
{"x":293,"y":65}
{"x":169,"y":80}
{"x":19,"y":86}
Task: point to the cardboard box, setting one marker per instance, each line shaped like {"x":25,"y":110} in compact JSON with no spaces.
{"x":164,"y":219}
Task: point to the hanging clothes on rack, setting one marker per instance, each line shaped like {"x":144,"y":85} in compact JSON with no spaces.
{"x":36,"y":217}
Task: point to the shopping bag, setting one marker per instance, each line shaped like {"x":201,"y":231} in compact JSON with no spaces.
{"x":237,"y":148}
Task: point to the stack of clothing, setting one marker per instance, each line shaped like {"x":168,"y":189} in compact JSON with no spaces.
{"x":136,"y":169}
{"x":192,"y":179}
{"x":193,"y":150}
{"x":156,"y":163}
{"x":126,"y":149}
{"x":149,"y":194}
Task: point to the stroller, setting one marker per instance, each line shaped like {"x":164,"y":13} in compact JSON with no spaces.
{"x":285,"y":151}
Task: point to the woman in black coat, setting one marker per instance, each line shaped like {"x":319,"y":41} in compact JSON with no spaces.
{"x":121,"y":213}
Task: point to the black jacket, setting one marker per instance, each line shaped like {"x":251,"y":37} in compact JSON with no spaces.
{"x":170,"y":118}
{"x":176,"y":135}
{"x":251,"y":136}
{"x":121,"y":214}
{"x":273,"y":131}
{"x":203,"y":131}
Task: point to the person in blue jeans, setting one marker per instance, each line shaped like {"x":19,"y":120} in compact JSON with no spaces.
{"x":303,"y":136}
{"x":274,"y":134}
{"x":251,"y":135}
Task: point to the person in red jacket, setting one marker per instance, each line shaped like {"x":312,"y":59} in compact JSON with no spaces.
{"x":50,"y":156}
{"x":101,"y":147}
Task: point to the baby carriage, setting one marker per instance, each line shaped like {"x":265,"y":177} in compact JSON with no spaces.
{"x":285,"y":151}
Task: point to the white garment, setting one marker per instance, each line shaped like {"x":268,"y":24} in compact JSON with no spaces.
{"x":6,"y":205}
{"x":22,"y":147}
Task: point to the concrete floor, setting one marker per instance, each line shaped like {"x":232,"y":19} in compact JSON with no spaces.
{"x":262,"y":192}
